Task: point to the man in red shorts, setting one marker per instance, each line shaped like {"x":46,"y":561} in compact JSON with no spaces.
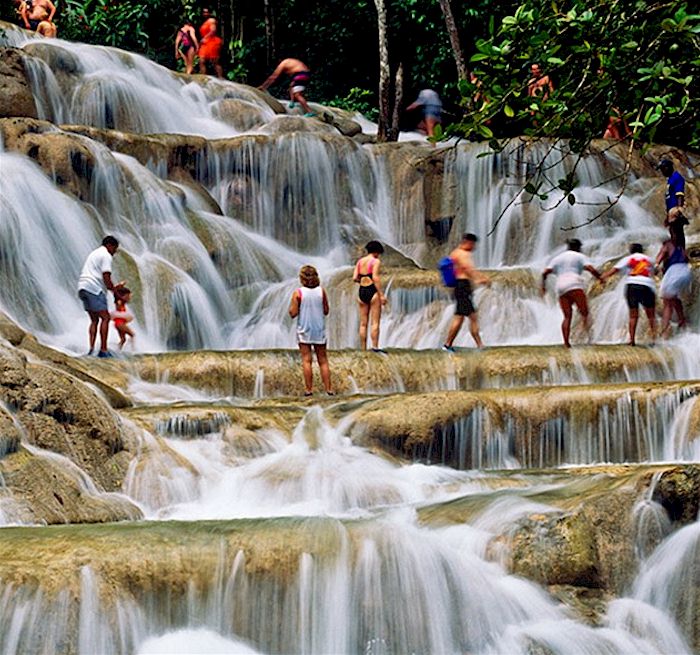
{"x":569,"y":267}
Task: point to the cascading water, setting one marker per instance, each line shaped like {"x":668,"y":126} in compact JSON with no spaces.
{"x":263,"y":537}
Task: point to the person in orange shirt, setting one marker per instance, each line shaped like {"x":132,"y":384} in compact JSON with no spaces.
{"x":209,"y":45}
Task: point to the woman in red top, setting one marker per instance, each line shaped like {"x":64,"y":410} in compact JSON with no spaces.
{"x":209,"y":45}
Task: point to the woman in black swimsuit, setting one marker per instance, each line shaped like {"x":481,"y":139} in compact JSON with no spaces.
{"x":186,"y":45}
{"x":371,"y":299}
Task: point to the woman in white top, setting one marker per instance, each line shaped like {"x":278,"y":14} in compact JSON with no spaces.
{"x":309,"y":306}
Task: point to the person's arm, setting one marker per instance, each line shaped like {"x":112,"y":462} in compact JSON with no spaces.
{"x":23,"y":14}
{"x":178,"y":40}
{"x":271,"y":80}
{"x":550,"y":84}
{"x":413,"y":105}
{"x":193,"y":36}
{"x":661,"y":256}
{"x":52,"y":10}
{"x":378,"y":281}
{"x":107,"y":279}
{"x":545,"y":274}
{"x":608,"y":274}
{"x":326,"y":306}
{"x":356,"y":272}
{"x":593,"y":271}
{"x":294,"y":304}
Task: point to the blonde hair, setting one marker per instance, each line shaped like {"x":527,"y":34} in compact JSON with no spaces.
{"x":308,"y":276}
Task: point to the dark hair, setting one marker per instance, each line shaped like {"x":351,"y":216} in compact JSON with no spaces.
{"x":121,"y":292}
{"x":635,"y":248}
{"x":665,"y":163}
{"x":374,"y":248}
{"x":468,"y":236}
{"x":574,"y":244}
{"x":110,"y":241}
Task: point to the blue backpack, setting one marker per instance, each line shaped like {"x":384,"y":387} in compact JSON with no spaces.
{"x":447,"y":271}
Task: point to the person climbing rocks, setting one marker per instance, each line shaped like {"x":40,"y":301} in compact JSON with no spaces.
{"x":431,"y":106}
{"x":309,"y":305}
{"x":299,"y":75}
{"x":209,"y":44}
{"x":371,"y":297}
{"x":539,"y":85}
{"x":467,"y":276}
{"x":640,"y":288}
{"x":675,"y":201}
{"x":94,"y":281}
{"x":186,"y":45}
{"x":122,"y":316}
{"x":47,"y":28}
{"x":568,"y":267}
{"x":677,"y":278}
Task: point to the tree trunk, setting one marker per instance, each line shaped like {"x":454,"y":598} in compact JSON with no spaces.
{"x":383,"y":126}
{"x":398,"y":99}
{"x":270,"y":34}
{"x":454,"y":38}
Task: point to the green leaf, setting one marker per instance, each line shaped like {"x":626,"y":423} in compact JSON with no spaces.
{"x":571,"y":199}
{"x":508,"y":111}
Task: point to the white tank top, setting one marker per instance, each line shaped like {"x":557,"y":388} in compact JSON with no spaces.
{"x":311,"y":322}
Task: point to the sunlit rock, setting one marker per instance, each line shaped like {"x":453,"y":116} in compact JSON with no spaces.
{"x":16,"y":97}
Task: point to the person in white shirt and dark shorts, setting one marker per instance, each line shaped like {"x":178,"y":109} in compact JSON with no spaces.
{"x":94,"y":282}
{"x":640,"y":288}
{"x":568,"y":267}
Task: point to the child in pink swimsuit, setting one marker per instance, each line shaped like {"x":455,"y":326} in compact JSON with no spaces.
{"x":121,"y":315}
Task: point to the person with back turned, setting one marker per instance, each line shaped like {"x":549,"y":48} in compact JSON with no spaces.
{"x":568,"y":267}
{"x":466,"y":276}
{"x":675,"y":201}
{"x":210,"y":44}
{"x":94,"y":282}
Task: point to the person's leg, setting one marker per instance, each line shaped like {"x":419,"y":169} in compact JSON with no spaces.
{"x":364,"y":320}
{"x":322,"y":358}
{"x":474,"y":329}
{"x":218,"y":69}
{"x":104,"y":330}
{"x":678,"y":306}
{"x":299,"y":97}
{"x":634,"y":317}
{"x":567,"y":309}
{"x":666,"y":317}
{"x":122,"y":337}
{"x":430,"y":123}
{"x":651,"y":316}
{"x":578,"y":298}
{"x":92,"y":330}
{"x":306,"y":367}
{"x":189,"y":61}
{"x":202,"y":66}
{"x":455,"y":326}
{"x":375,"y":312}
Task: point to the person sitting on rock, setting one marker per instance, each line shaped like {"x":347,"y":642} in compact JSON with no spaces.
{"x":33,"y":12}
{"x":299,"y":76}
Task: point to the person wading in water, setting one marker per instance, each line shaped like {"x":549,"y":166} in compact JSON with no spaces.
{"x":371,"y":297}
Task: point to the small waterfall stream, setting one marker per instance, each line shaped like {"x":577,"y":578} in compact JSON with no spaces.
{"x":254,"y":522}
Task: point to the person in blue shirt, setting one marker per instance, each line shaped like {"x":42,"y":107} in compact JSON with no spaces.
{"x":675,"y":200}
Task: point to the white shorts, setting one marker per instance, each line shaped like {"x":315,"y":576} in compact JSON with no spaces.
{"x":676,"y":281}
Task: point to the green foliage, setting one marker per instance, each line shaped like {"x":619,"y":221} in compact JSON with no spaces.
{"x":238,"y":71}
{"x":360,"y":100}
{"x":628,"y":57}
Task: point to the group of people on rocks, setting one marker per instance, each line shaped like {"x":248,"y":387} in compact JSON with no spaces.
{"x":309,"y":302}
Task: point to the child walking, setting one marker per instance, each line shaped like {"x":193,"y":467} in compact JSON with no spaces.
{"x":121,"y":315}
{"x":309,"y":306}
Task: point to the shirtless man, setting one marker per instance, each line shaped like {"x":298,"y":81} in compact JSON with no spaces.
{"x":299,"y":75}
{"x":466,"y":275}
{"x":35,"y":12}
{"x":539,"y":85}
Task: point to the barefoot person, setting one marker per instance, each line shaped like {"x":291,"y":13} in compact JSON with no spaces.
{"x":299,"y":75}
{"x":94,"y":281}
{"x":676,"y":281}
{"x":431,"y":106}
{"x":371,"y":297}
{"x":122,"y":316}
{"x":640,"y":288}
{"x":467,"y":276}
{"x":210,"y":45}
{"x":309,"y":306}
{"x":569,"y":267}
{"x":186,"y":45}
{"x":675,"y":201}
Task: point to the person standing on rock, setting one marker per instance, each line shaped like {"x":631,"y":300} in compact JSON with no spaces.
{"x":186,"y":45}
{"x":569,"y":267}
{"x":371,"y":297}
{"x":309,"y":305}
{"x":466,"y":276}
{"x":299,"y":76}
{"x":35,"y":12}
{"x":675,"y":200}
{"x":94,"y":282}
{"x":431,"y":105}
{"x":677,"y":279}
{"x":640,"y":288}
{"x":210,"y":44}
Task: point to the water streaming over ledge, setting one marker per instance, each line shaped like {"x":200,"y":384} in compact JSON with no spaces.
{"x":263,"y":538}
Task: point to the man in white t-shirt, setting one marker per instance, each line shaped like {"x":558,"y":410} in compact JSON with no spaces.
{"x":640,"y":287}
{"x":568,"y":267}
{"x":94,"y":282}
